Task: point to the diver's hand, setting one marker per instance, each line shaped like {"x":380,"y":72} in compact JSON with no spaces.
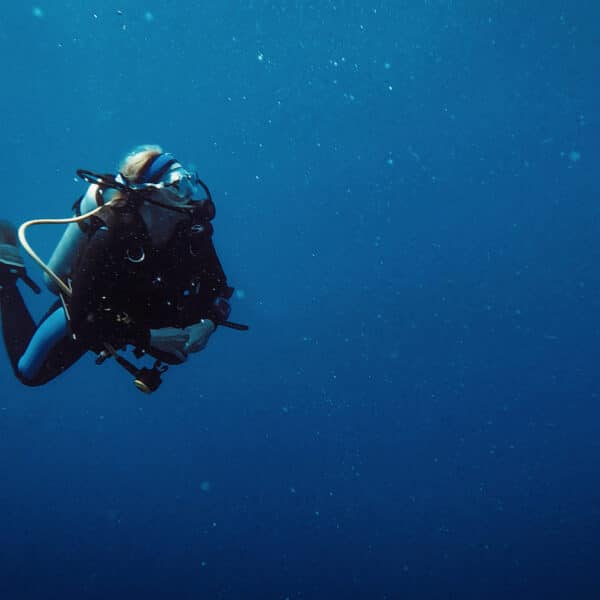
{"x":170,"y":340}
{"x":198,"y":335}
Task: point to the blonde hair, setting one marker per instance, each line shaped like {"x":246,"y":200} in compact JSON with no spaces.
{"x":133,"y":165}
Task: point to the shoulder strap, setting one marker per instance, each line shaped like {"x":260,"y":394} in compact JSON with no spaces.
{"x":87,"y":227}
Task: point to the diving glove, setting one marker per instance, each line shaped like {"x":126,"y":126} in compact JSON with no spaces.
{"x":170,"y":340}
{"x":199,"y":334}
{"x":12,"y":266}
{"x":181,"y":342}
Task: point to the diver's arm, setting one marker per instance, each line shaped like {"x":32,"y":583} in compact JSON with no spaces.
{"x":178,"y":342}
{"x":70,"y":244}
{"x":214,"y":274}
{"x":170,"y":341}
{"x":198,"y":335}
{"x":214,"y":280}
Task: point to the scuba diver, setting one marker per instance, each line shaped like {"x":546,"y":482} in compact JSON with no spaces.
{"x":136,"y":267}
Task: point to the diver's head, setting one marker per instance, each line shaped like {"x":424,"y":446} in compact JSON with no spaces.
{"x":135,"y":163}
{"x":169,"y":181}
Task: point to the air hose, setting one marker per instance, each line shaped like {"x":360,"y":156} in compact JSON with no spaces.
{"x":146,"y":380}
{"x":64,"y":288}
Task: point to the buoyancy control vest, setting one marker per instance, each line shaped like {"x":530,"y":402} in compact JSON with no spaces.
{"x":123,"y":284}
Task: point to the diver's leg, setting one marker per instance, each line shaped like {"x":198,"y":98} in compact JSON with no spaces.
{"x":16,"y":322}
{"x":51,"y":350}
{"x":66,"y":352}
{"x":36,"y":354}
{"x":17,"y":325}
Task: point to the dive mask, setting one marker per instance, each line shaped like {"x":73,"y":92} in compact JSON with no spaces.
{"x":165,"y":175}
{"x":183,"y":184}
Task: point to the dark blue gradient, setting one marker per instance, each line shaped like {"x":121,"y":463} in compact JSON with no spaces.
{"x":408,"y":206}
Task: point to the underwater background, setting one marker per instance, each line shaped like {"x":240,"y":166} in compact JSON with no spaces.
{"x":409,"y":208}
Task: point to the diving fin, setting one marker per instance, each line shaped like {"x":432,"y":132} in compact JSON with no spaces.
{"x":12,"y":266}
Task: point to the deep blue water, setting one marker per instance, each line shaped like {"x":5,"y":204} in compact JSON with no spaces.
{"x":408,"y":205}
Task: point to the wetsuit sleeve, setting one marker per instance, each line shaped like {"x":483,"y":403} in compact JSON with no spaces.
{"x":70,"y":244}
{"x":215,"y":283}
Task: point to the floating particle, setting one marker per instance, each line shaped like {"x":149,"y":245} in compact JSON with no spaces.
{"x":574,"y":156}
{"x":148,"y":16}
{"x":37,"y":12}
{"x":260,"y":56}
{"x":206,"y":486}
